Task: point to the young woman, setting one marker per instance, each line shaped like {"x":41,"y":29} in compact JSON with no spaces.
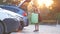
{"x":37,"y":11}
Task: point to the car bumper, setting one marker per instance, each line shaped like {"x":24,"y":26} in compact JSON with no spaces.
{"x":26,"y":21}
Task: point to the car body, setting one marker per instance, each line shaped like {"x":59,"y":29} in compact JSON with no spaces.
{"x":10,"y":20}
{"x":18,"y":11}
{"x":8,"y":14}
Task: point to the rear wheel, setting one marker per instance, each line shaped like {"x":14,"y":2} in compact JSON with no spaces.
{"x":11,"y":24}
{"x":2,"y":28}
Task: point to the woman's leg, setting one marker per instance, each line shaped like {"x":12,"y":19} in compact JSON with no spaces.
{"x":36,"y":27}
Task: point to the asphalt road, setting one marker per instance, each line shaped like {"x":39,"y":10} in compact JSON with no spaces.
{"x":43,"y":29}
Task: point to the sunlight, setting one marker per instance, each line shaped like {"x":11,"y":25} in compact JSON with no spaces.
{"x":46,"y":2}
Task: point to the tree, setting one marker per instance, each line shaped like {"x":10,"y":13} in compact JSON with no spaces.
{"x":5,"y":1}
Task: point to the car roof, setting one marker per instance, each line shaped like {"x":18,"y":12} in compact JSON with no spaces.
{"x":12,"y":8}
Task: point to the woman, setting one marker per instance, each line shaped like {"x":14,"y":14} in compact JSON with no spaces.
{"x":37,"y":11}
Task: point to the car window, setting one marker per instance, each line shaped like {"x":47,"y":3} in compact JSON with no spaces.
{"x":10,"y":8}
{"x":13,"y":9}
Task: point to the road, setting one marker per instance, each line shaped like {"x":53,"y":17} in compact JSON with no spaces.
{"x":43,"y":29}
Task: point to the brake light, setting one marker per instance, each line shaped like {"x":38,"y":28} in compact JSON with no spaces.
{"x":24,"y":14}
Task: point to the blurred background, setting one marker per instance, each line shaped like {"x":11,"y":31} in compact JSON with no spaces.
{"x":50,"y":10}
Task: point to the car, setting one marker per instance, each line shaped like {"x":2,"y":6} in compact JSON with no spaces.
{"x":11,"y":20}
{"x":18,"y":11}
{"x":2,"y":28}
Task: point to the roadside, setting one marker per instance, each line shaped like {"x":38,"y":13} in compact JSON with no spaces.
{"x":44,"y":29}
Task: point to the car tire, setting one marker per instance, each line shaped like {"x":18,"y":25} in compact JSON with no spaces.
{"x":2,"y":28}
{"x":11,"y":25}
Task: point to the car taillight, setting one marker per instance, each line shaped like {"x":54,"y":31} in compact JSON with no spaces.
{"x":24,"y":14}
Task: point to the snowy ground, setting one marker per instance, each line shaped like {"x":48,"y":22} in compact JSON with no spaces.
{"x":44,"y":29}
